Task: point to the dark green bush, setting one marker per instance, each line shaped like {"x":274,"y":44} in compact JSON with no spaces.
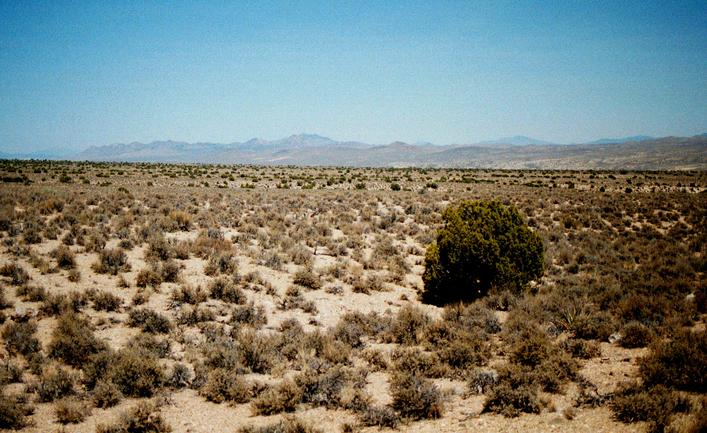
{"x":482,"y":245}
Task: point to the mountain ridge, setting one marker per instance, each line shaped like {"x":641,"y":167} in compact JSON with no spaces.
{"x":316,"y":150}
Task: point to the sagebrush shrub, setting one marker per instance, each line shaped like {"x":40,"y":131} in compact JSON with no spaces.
{"x":635,"y":334}
{"x":149,"y":320}
{"x":73,"y":340}
{"x":144,"y":417}
{"x":111,"y":261}
{"x":680,"y":363}
{"x":281,"y":398}
{"x":136,"y":373}
{"x":14,"y":411}
{"x":19,"y":337}
{"x":55,"y":382}
{"x":71,"y":410}
{"x":415,"y":397}
{"x":223,"y":385}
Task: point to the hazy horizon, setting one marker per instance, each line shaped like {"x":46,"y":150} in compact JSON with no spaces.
{"x":75,"y":75}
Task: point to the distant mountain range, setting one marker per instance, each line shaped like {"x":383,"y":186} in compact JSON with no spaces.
{"x":638,"y":152}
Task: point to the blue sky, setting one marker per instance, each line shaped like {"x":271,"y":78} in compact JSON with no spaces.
{"x":81,"y":73}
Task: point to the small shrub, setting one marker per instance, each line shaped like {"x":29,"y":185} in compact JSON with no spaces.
{"x":144,"y":417}
{"x":307,"y":278}
{"x":14,"y":411}
{"x":226,"y":291}
{"x":511,"y":402}
{"x":415,"y":397}
{"x":632,"y":403}
{"x":54,"y":383}
{"x":19,"y":337}
{"x":149,"y":276}
{"x":160,"y":348}
{"x":73,"y":341}
{"x":221,"y":263}
{"x":180,"y":377}
{"x":71,"y":411}
{"x":106,"y":301}
{"x":223,"y":385}
{"x":513,"y":393}
{"x":136,"y":373}
{"x":106,"y":394}
{"x":380,"y":416}
{"x":282,"y":398}
{"x":286,"y":425}
{"x":582,"y":349}
{"x":680,"y":363}
{"x":111,"y":261}
{"x":481,"y":381}
{"x":18,"y":276}
{"x":149,"y":321}
{"x":189,"y":295}
{"x":249,"y":314}
{"x":635,"y":334}
{"x":65,"y":258}
{"x":410,"y":325}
